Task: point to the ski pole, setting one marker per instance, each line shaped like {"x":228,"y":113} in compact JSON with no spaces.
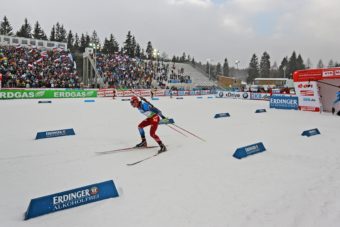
{"x":190,"y":133}
{"x":177,"y":130}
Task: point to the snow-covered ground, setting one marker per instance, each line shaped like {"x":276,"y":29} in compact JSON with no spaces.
{"x":296,"y":182}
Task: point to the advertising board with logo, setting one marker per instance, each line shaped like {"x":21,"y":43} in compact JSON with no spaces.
{"x":158,"y":92}
{"x":308,"y":94}
{"x":284,"y":102}
{"x":105,"y":92}
{"x":259,"y":96}
{"x":233,"y":94}
{"x":71,"y":198}
{"x":330,"y":72}
{"x":46,"y":94}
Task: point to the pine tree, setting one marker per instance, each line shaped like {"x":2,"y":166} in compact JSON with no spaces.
{"x":62,"y":34}
{"x":183,"y":58}
{"x":226,"y":67}
{"x":127,"y":48}
{"x":110,"y":45}
{"x":283,"y":67}
{"x":218,"y":69}
{"x":87,"y":40}
{"x":25,"y":30}
{"x":113,"y":44}
{"x":142,"y":54}
{"x":213,"y":72}
{"x":292,"y":65}
{"x":95,"y":39}
{"x":207,"y":68}
{"x":274,"y":71}
{"x":193,"y":62}
{"x":265,"y":65}
{"x":164,"y":56}
{"x":320,"y":64}
{"x":331,"y":64}
{"x":188,"y":58}
{"x":53,"y":34}
{"x":138,"y":51}
{"x":133,"y":47}
{"x":38,"y":33}
{"x":83,"y":43}
{"x":309,"y":64}
{"x":106,"y":46}
{"x":299,"y":63}
{"x":76,"y":42}
{"x":173,"y":58}
{"x":253,"y":70}
{"x":57,"y":32}
{"x":70,"y":40}
{"x":149,"y":50}
{"x":5,"y":27}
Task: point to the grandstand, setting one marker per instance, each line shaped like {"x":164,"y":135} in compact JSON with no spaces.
{"x":197,"y":77}
{"x":24,"y":65}
{"x":32,"y":63}
{"x":121,"y":71}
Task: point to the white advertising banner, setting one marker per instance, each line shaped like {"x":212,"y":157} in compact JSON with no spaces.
{"x":233,"y":95}
{"x":309,"y":98}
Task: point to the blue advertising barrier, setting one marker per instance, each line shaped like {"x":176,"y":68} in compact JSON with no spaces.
{"x":56,"y":133}
{"x":260,"y":111}
{"x":154,"y":98}
{"x":71,"y":198}
{"x":45,"y":101}
{"x":243,"y":152}
{"x":166,"y":121}
{"x":179,"y":98}
{"x":284,"y":102}
{"x":311,"y":132}
{"x":222,"y":115}
{"x":89,"y":100}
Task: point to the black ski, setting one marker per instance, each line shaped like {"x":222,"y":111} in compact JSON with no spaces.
{"x":124,"y":149}
{"x":144,"y":159}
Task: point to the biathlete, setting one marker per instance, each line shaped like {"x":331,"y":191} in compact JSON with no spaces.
{"x":153,"y":118}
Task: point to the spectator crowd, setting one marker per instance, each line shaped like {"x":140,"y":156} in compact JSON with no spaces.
{"x":25,"y":67}
{"x":121,"y":71}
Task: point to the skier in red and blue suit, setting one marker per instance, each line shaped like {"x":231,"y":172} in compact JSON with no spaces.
{"x":153,"y":118}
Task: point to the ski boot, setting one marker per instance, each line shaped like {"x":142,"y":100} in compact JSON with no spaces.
{"x":162,"y":148}
{"x":142,"y":144}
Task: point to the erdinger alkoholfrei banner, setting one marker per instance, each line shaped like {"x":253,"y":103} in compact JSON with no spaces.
{"x":71,"y":198}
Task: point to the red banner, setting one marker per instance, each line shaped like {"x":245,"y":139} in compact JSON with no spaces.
{"x":316,"y":74}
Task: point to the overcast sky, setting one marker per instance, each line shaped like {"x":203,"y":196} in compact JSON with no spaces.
{"x":205,"y":29}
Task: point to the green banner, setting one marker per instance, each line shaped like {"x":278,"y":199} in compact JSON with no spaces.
{"x":46,"y":94}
